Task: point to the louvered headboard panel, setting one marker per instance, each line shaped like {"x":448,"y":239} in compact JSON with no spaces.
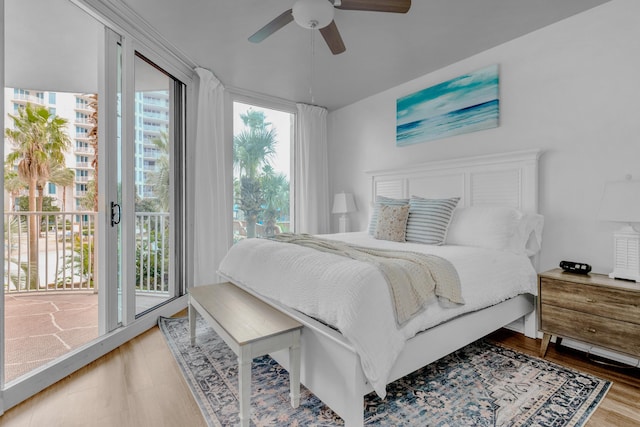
{"x":508,"y":179}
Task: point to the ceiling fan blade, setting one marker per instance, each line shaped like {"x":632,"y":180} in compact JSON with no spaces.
{"x":272,"y":27}
{"x":332,"y":37}
{"x":394,"y":6}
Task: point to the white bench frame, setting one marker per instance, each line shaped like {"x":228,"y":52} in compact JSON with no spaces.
{"x":251,"y":329}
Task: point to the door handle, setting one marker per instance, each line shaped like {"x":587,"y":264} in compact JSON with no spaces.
{"x":115,"y":214}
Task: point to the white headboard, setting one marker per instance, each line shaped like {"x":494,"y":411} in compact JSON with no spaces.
{"x":508,"y":179}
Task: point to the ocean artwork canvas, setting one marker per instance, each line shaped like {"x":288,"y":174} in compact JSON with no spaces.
{"x":468,"y":103}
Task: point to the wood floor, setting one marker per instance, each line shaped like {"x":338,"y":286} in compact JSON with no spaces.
{"x":140,"y":384}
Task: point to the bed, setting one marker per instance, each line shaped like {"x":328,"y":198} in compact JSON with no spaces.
{"x":341,"y":363}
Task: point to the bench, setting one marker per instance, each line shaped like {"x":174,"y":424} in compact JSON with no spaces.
{"x":251,"y":328}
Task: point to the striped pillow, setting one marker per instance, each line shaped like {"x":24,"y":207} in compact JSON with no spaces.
{"x":429,"y":219}
{"x":381,"y":200}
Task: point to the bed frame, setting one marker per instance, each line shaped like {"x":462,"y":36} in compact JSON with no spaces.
{"x":331,"y":369}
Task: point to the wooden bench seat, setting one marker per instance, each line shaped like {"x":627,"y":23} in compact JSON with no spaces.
{"x":251,"y":328}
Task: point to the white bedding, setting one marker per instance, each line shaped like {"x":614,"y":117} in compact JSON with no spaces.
{"x":353,"y":296}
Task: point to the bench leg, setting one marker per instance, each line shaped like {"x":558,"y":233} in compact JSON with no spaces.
{"x":294,"y":370}
{"x":244,"y":385}
{"x":192,"y":324}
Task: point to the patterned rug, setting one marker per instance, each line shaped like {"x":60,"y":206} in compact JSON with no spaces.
{"x":479,"y":385}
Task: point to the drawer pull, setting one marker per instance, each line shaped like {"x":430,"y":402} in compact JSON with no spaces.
{"x":592,"y":330}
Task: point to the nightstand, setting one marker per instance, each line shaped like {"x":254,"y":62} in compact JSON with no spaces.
{"x":590,"y":308}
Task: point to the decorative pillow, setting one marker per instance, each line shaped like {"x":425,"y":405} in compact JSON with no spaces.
{"x":380,"y":200}
{"x":496,"y":227}
{"x":392,"y":223}
{"x":429,"y":219}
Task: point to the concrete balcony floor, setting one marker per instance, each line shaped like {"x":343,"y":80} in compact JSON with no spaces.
{"x":42,"y":326}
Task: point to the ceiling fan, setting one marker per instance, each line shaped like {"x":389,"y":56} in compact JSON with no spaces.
{"x":318,"y":14}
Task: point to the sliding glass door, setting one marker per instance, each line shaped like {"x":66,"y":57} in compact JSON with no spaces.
{"x":94,"y":237}
{"x":51,"y":98}
{"x":157,"y":124}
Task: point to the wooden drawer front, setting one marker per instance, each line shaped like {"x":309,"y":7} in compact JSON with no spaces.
{"x":609,"y":333}
{"x":604,"y":301}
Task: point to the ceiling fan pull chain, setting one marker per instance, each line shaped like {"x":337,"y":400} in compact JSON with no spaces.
{"x":311,"y":63}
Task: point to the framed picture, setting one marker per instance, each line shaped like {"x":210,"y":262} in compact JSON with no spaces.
{"x":465,"y":104}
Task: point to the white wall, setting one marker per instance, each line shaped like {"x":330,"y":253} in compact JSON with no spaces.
{"x":571,"y":89}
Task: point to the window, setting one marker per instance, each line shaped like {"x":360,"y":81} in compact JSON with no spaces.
{"x":81,"y":104}
{"x":262,"y":170}
{"x":52,"y":188}
{"x":52,"y":97}
{"x":20,"y":93}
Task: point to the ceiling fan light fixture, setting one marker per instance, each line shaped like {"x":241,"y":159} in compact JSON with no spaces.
{"x":313,"y":14}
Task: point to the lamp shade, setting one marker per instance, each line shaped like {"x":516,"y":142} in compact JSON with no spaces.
{"x":343,"y":203}
{"x":621,"y":201}
{"x":313,"y":13}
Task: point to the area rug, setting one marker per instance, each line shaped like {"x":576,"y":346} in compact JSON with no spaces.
{"x":480,"y":385}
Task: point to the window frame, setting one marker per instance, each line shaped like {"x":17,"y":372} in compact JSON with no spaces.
{"x":272,"y":103}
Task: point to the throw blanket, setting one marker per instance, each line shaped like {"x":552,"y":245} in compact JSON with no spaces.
{"x":414,"y":279}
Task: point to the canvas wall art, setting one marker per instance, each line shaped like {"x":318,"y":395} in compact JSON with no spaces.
{"x":465,"y":104}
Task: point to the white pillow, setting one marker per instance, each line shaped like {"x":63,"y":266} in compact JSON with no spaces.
{"x":496,"y":227}
{"x":531,"y":233}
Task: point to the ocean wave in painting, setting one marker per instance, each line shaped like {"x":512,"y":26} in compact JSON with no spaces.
{"x":471,"y":119}
{"x":467,"y":103}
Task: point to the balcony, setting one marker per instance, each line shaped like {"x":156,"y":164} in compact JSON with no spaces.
{"x":84,"y":150}
{"x":22,"y":98}
{"x":54,"y":309}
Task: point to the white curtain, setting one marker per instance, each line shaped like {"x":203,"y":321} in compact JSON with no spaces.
{"x":213,"y":182}
{"x":311,"y":184}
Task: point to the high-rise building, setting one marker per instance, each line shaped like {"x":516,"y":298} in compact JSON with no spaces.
{"x":76,"y":110}
{"x":152,"y":123}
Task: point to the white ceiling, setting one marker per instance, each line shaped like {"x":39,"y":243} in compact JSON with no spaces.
{"x":383,"y":49}
{"x":50,"y":45}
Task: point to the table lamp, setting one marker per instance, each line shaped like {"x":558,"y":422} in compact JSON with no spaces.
{"x":343,"y":203}
{"x":621,"y":203}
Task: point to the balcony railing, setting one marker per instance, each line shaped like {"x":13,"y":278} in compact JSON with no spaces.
{"x":64,"y":246}
{"x":28,"y":98}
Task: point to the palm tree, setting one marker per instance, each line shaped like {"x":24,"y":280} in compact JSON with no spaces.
{"x":16,"y":270}
{"x":62,"y":176}
{"x":13,"y":184}
{"x":253,"y":149}
{"x":275,"y":188}
{"x":39,"y":140}
{"x":159,"y":179}
{"x":93,"y":141}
